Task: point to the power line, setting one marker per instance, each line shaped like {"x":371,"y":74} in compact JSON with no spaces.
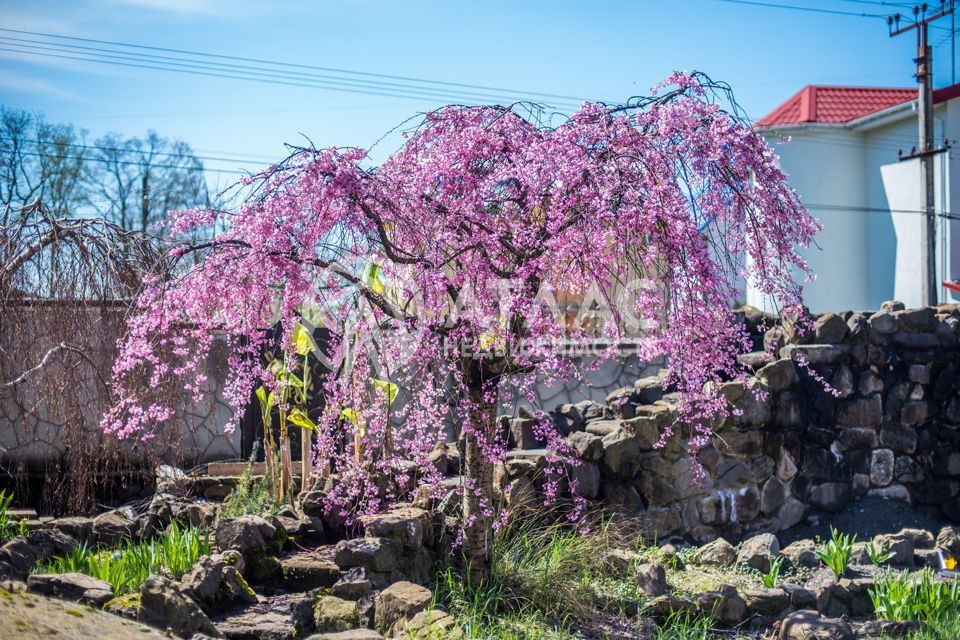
{"x":299,"y":65}
{"x":263,"y":78}
{"x":353,"y":78}
{"x":775,"y":5}
{"x":99,"y":54}
{"x":125,"y":150}
{"x":52,"y":156}
{"x":901,"y":5}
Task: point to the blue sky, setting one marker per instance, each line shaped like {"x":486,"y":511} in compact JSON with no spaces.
{"x":606,"y":50}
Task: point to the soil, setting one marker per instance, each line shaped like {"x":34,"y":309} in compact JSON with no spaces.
{"x":28,"y":616}
{"x":866,"y":517}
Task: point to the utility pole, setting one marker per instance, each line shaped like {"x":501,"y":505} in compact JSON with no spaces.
{"x":145,"y":201}
{"x":921,"y":20}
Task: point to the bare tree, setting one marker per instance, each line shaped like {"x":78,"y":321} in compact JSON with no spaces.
{"x":137,"y":181}
{"x":65,"y":287}
{"x":39,"y":159}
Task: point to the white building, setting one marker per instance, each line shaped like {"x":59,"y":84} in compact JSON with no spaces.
{"x":842,"y":158}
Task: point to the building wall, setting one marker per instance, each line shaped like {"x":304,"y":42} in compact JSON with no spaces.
{"x":827,"y":169}
{"x":839,"y":173}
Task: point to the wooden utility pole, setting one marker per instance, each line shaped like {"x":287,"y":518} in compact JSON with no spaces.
{"x":145,"y":201}
{"x":926,"y":152}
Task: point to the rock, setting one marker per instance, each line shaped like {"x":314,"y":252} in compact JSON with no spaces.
{"x":216,"y":583}
{"x":113,"y":527}
{"x":900,"y":544}
{"x":786,"y":467}
{"x":651,"y":579}
{"x":919,"y":320}
{"x":772,"y":496}
{"x":766,"y":602}
{"x":757,"y":551}
{"x":664,"y":606}
{"x":588,"y":446}
{"x":800,"y":597}
{"x":949,"y":539}
{"x":883,"y":322}
{"x":921,"y":538}
{"x":888,"y":629}
{"x":810,"y":625}
{"x":854,"y":438}
{"x":620,"y":562}
{"x":354,"y":634}
{"x":881,"y":467}
{"x":70,"y":586}
{"x":354,"y":584}
{"x":915,"y":413}
{"x":621,"y":454}
{"x":78,"y":528}
{"x":523,"y":434}
{"x":432,"y":624}
{"x":17,"y":558}
{"x":376,"y":554}
{"x":404,"y":525}
{"x":919,"y":373}
{"x":754,"y":359}
{"x":246,"y":533}
{"x":802,"y":553}
{"x":125,"y":606}
{"x":791,"y":513}
{"x":162,"y":605}
{"x":891,"y":492}
{"x":830,"y":496}
{"x":830,"y":329}
{"x":779,"y":374}
{"x":335,"y":614}
{"x":865,"y":413}
{"x":308,"y":570}
{"x":648,"y":390}
{"x":718,"y":553}
{"x":858,"y":555}
{"x":278,"y":617}
{"x":171,"y":480}
{"x":200,"y":514}
{"x":816,"y":354}
{"x":398,"y":603}
{"x":602,"y":427}
{"x":584,"y":479}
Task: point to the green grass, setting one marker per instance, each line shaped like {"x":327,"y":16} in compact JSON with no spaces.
{"x":251,"y":496}
{"x":125,"y":568}
{"x":8,"y":525}
{"x":685,"y":626}
{"x":545,"y":580}
{"x":920,"y":596}
{"x":836,"y":552}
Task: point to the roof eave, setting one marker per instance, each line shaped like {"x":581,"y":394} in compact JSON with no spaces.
{"x":882,"y":117}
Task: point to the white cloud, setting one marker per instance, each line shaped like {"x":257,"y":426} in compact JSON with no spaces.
{"x":196,"y":7}
{"x":15,"y":82}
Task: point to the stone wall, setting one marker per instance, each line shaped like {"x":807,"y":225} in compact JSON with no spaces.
{"x":892,"y":429}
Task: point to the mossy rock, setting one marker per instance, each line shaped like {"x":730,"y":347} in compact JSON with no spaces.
{"x":125,"y":606}
{"x":332,"y":614}
{"x":262,"y":568}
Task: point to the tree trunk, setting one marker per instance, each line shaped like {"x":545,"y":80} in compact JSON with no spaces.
{"x":478,"y":503}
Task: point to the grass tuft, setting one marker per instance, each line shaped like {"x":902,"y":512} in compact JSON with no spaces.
{"x":251,"y":497}
{"x":125,"y":568}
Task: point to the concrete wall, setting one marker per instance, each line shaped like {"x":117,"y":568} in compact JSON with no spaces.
{"x":850,"y":178}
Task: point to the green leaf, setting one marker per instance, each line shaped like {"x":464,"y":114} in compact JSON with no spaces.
{"x":299,"y":418}
{"x":351,"y":415}
{"x":388,"y":388}
{"x":303,"y":340}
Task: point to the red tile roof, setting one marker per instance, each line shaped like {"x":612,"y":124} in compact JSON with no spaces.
{"x":835,"y":104}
